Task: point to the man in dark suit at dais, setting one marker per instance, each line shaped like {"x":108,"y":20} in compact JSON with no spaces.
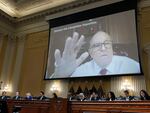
{"x":42,"y":96}
{"x":17,"y":96}
{"x":4,"y":96}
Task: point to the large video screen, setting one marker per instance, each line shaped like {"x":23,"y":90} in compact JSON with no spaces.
{"x":96,"y":42}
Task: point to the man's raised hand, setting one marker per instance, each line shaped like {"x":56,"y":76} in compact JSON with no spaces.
{"x":66,"y":64}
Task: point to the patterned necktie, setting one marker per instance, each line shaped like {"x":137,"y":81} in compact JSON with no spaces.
{"x":103,"y":71}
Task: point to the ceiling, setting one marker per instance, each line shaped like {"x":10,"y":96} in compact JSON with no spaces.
{"x":21,"y":8}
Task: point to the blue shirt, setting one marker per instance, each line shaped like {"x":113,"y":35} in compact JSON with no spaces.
{"x":118,"y":65}
{"x":28,"y":97}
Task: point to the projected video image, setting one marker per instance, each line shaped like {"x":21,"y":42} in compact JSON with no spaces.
{"x":100,"y":46}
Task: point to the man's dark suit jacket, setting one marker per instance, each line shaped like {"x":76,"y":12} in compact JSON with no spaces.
{"x":4,"y":97}
{"x":128,"y":98}
{"x":42,"y":98}
{"x":16,"y":97}
{"x":94,"y":99}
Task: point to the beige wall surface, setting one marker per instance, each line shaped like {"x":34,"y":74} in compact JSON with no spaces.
{"x":33,"y":67}
{"x":3,"y":43}
{"x":145,"y":41}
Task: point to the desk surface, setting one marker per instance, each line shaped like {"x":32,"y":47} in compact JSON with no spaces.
{"x":36,"y":106}
{"x":64,"y":106}
{"x":110,"y":107}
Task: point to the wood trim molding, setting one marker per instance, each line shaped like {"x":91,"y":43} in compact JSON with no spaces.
{"x":38,"y":22}
{"x":77,"y":4}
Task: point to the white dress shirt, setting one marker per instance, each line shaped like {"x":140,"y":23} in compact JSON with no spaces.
{"x":119,"y":65}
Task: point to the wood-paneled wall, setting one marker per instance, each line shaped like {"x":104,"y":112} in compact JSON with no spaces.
{"x":34,"y":62}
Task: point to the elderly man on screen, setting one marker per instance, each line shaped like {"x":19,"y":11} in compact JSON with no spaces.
{"x":103,"y":61}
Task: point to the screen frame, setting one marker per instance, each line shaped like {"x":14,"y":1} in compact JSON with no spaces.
{"x":113,"y":8}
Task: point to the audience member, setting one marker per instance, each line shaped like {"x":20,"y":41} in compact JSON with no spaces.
{"x":4,"y":96}
{"x":144,"y":95}
{"x":111,"y":96}
{"x":17,"y":96}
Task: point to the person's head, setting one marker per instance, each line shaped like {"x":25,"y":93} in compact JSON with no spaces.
{"x":28,"y":94}
{"x":101,"y":49}
{"x":41,"y":93}
{"x":126,"y":93}
{"x":17,"y":93}
{"x":94,"y":94}
{"x":54,"y":95}
{"x":81,"y":96}
{"x":4,"y":93}
{"x":143,"y":93}
{"x":111,"y":95}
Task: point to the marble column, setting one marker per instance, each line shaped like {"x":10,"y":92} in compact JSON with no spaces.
{"x":18,"y":62}
{"x":147,"y":77}
{"x":1,"y":41}
{"x":8,"y":60}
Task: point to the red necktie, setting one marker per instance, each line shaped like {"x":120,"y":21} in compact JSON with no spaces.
{"x":103,"y":71}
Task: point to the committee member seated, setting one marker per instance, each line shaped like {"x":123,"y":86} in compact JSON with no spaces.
{"x":128,"y":97}
{"x":17,"y":96}
{"x":42,"y":96}
{"x":94,"y":96}
{"x":103,"y":61}
{"x":72,"y":97}
{"x":111,"y":96}
{"x":4,"y":96}
{"x":81,"y":97}
{"x":28,"y":96}
{"x":144,"y":95}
